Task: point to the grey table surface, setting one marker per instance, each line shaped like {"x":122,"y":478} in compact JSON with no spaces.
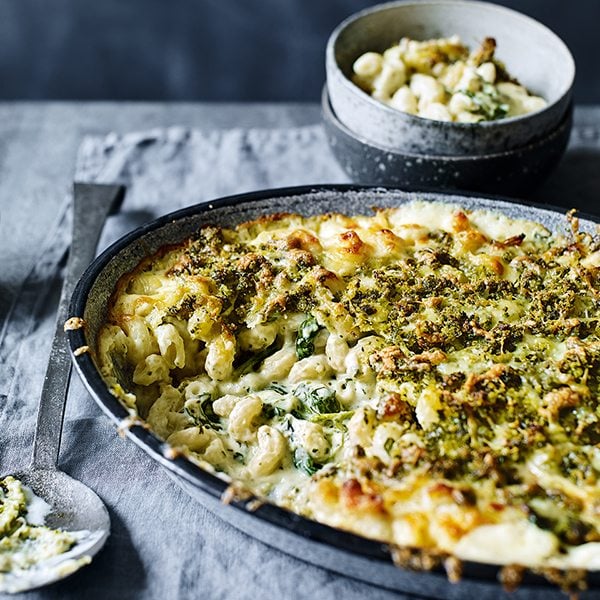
{"x":38,"y":146}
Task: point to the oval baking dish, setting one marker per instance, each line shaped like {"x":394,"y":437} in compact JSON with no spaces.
{"x":357,"y":557}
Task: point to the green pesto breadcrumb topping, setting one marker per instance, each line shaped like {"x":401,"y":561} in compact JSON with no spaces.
{"x":478,"y":355}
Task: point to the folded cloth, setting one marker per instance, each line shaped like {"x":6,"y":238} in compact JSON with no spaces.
{"x":163,"y":544}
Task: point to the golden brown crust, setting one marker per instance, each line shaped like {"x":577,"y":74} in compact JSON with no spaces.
{"x":413,"y":377}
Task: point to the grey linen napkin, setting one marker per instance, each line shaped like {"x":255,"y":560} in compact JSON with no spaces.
{"x":163,"y":544}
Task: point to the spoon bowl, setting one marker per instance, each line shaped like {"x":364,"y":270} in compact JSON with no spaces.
{"x":74,"y":508}
{"x":73,"y":505}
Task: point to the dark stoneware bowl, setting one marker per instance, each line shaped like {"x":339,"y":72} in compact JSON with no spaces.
{"x":532,"y":53}
{"x":512,"y":173}
{"x":307,"y":540}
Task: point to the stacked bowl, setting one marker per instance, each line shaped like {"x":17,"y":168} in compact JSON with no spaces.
{"x":376,"y":143}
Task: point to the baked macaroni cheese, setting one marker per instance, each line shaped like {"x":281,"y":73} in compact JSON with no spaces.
{"x":425,"y":376}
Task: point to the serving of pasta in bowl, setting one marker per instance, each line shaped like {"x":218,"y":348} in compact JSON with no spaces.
{"x":374,"y":380}
{"x":448,"y":77}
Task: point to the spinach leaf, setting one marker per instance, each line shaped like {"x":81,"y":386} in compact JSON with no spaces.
{"x":333,"y":419}
{"x":304,"y":462}
{"x":252,"y":362}
{"x":307,"y":332}
{"x":276,"y":387}
{"x":122,"y":371}
{"x":319,"y":399}
{"x":269,"y":411}
{"x":202,"y":413}
{"x":489,"y":102}
{"x":388,"y":445}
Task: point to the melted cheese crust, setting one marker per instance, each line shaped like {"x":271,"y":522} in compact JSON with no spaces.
{"x":426,"y":376}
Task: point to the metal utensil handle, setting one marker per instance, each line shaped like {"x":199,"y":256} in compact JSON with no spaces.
{"x":91,"y":206}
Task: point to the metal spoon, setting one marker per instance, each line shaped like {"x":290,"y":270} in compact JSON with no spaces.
{"x":74,"y":506}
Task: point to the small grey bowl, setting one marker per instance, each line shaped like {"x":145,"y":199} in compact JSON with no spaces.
{"x":513,"y":173}
{"x":531,"y":52}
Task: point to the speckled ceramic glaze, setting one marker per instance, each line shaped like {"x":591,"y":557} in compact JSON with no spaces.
{"x":531,"y":52}
{"x":307,"y":540}
{"x":513,"y":173}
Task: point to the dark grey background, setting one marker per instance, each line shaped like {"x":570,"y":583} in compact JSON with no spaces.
{"x":211,"y":49}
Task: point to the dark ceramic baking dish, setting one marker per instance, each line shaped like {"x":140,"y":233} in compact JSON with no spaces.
{"x":307,"y":540}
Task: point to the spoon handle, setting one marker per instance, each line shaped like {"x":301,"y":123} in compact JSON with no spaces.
{"x":91,"y":205}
